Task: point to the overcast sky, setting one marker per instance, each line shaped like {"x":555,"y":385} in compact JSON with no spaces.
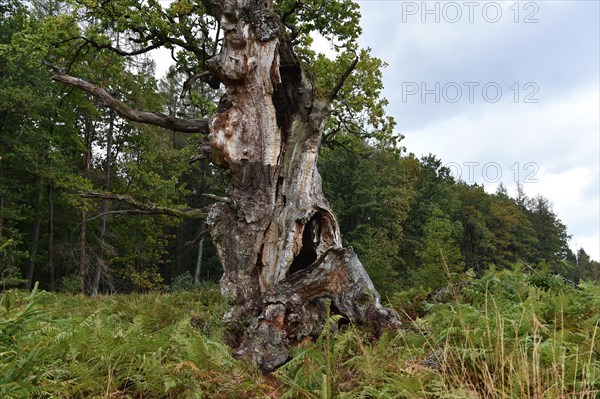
{"x":500,"y":91}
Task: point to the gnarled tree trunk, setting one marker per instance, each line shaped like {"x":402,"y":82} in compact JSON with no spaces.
{"x":275,"y":234}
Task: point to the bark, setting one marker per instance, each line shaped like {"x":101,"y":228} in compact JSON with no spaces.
{"x":83,"y":249}
{"x":276,"y":235}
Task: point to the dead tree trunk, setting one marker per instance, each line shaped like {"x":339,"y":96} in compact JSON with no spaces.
{"x":275,"y":234}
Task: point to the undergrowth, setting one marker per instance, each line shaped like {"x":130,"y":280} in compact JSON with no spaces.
{"x":507,"y":334}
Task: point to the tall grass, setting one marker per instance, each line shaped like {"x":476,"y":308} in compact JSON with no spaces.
{"x":504,"y":335}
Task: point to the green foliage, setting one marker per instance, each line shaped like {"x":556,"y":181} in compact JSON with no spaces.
{"x":183,"y":282}
{"x":508,"y":334}
{"x":371,"y":191}
{"x":136,"y":345}
{"x":10,"y":275}
{"x":19,"y":352}
{"x":71,"y":284}
{"x":519,"y":335}
{"x":336,"y":20}
{"x":439,"y":255}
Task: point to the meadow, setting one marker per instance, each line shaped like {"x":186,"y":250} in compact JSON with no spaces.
{"x":506,"y":334}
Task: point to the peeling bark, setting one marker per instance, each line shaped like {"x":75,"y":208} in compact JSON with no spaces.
{"x":277,"y":237}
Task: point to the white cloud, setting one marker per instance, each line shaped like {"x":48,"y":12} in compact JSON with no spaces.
{"x":560,"y":135}
{"x":576,"y":200}
{"x":559,"y":138}
{"x":589,"y":243}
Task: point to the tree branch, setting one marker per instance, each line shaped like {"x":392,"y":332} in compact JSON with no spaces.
{"x":205,"y":76}
{"x":285,"y":14}
{"x":150,"y":118}
{"x":149,"y":209}
{"x":292,"y":10}
{"x":200,"y":236}
{"x":342,"y":80}
{"x":123,"y":52}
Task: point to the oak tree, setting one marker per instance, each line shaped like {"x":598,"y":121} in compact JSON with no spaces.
{"x":275,"y":233}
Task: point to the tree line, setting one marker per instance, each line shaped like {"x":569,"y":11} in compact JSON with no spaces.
{"x":92,"y":202}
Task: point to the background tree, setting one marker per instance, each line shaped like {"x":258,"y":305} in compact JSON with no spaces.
{"x":371,"y":189}
{"x":439,"y":254}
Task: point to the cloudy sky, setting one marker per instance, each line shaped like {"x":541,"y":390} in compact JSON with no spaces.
{"x":500,"y":91}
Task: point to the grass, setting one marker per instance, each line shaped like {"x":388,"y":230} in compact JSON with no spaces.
{"x":504,"y":335}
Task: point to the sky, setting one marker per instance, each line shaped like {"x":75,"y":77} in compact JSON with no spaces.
{"x":500,"y":91}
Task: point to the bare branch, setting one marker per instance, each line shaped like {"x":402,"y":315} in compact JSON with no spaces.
{"x":342,"y":80}
{"x":205,"y":76}
{"x":294,"y":29}
{"x":150,"y":118}
{"x":149,"y":209}
{"x":55,"y":68}
{"x":121,"y":212}
{"x":200,"y":236}
{"x":220,"y":199}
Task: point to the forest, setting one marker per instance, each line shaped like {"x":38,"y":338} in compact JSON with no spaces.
{"x":109,"y":273}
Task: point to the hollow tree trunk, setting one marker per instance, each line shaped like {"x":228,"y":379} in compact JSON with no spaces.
{"x":275,"y":234}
